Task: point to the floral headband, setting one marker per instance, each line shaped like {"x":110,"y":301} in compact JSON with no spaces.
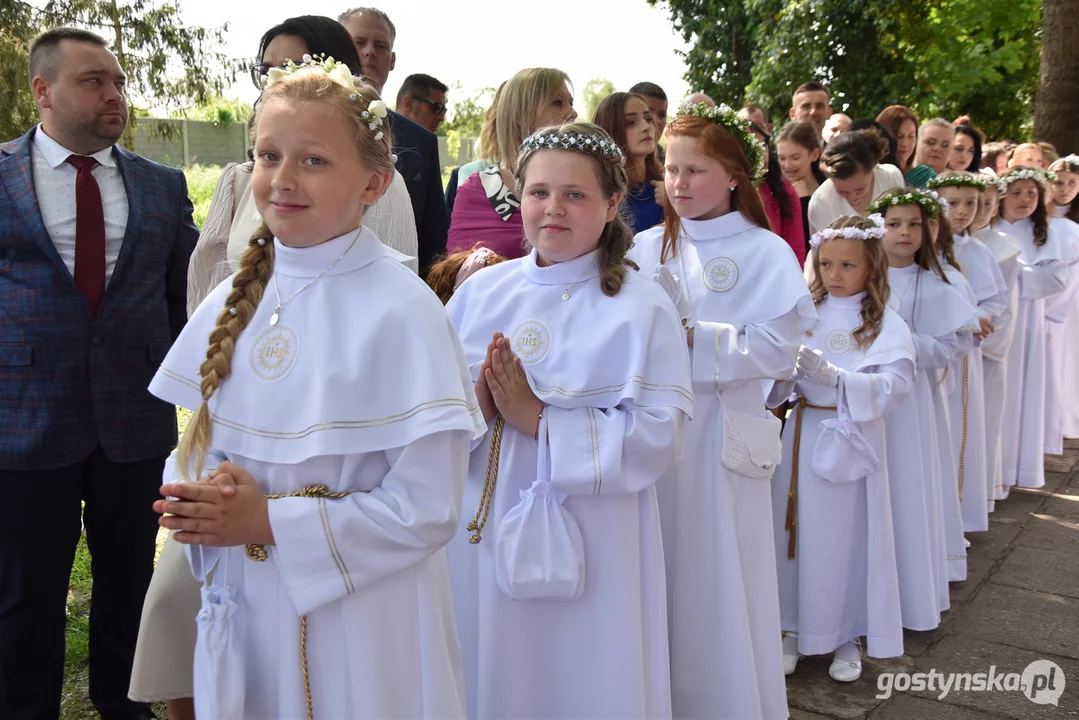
{"x":928,"y":200}
{"x":851,"y":233}
{"x":1042,"y":177}
{"x":339,"y":73}
{"x":965,"y":179}
{"x":547,"y":139}
{"x":726,"y":117}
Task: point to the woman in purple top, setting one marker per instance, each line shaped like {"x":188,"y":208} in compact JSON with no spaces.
{"x":486,"y":212}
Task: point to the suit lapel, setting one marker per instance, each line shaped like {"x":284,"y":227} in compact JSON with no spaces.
{"x":132,"y":175}
{"x":17,"y":173}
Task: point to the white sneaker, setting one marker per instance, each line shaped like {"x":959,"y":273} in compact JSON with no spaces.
{"x":844,"y":668}
{"x":967,"y":542}
{"x":790,"y":652}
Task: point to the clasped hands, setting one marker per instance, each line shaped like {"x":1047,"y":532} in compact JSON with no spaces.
{"x":503,"y":388}
{"x":226,"y":509}
{"x":987,"y":329}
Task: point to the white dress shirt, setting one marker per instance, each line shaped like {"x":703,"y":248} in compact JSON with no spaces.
{"x":54,"y":183}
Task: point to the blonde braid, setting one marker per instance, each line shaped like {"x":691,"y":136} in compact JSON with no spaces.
{"x":256,"y":269}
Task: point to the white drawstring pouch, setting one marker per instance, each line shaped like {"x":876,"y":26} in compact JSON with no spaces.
{"x":539,"y":551}
{"x":219,"y":657}
{"x":751,"y":444}
{"x":842,"y":453}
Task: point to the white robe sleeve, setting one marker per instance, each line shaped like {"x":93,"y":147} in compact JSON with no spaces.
{"x":1042,"y":279}
{"x":874,"y":391}
{"x":725,"y":354}
{"x":201,"y":558}
{"x":624,"y":449}
{"x":329,"y":548}
{"x":1058,"y":307}
{"x":935,"y":353}
{"x":780,"y":393}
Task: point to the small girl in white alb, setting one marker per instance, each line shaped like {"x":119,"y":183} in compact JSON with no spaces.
{"x":835,"y":549}
{"x":989,"y":294}
{"x":937,"y":316}
{"x":583,"y":377}
{"x":334,"y":400}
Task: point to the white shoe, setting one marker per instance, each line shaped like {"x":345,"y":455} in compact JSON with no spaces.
{"x":967,"y":542}
{"x":843,"y":671}
{"x":844,"y":667}
{"x":790,"y":653}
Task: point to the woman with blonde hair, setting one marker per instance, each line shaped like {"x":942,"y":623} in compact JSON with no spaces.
{"x":486,"y":210}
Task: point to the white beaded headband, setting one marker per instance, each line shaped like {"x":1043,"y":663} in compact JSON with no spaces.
{"x":588,"y":144}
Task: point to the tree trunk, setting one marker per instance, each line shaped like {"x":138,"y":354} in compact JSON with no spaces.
{"x":1056,"y":108}
{"x":128,"y":138}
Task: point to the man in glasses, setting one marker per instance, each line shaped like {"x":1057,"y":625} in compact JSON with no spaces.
{"x":416,"y":148}
{"x":422,"y":99}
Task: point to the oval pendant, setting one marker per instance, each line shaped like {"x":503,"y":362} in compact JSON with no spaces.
{"x":565,"y":295}
{"x":274,"y":318}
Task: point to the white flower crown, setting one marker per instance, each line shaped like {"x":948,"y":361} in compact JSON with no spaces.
{"x":851,"y":233}
{"x":724,"y":116}
{"x":929,"y":201}
{"x":1072,"y":160}
{"x":1042,"y":177}
{"x":339,"y":73}
{"x":965,"y":179}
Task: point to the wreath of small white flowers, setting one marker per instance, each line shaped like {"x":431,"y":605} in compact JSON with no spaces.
{"x":1042,"y":177}
{"x":339,"y":73}
{"x":728,"y":118}
{"x":851,"y":233}
{"x":928,"y":200}
{"x":1072,"y":160}
{"x":961,"y":180}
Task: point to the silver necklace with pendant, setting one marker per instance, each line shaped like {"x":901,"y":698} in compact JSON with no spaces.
{"x":565,"y":293}
{"x":277,"y":290}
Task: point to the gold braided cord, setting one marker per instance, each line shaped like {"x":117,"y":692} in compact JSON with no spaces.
{"x":792,"y":493}
{"x":963,"y":442}
{"x":488,"y":494}
{"x":303,"y":663}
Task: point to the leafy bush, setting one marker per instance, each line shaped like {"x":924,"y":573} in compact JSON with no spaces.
{"x":201,"y":181}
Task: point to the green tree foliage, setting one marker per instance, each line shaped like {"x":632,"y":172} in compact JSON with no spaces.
{"x":465,"y":118}
{"x":219,"y":110}
{"x":17,"y":29}
{"x":939,"y":57}
{"x":169,"y":64}
{"x":594,"y":91}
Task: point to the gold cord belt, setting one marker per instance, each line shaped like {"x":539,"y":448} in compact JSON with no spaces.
{"x":258,"y":553}
{"x":963,"y":442}
{"x":487,"y":497}
{"x":792,"y":493}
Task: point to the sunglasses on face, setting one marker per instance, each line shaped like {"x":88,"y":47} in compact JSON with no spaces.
{"x":436,"y":107}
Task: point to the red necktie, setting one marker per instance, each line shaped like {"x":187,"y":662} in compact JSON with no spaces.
{"x":89,"y":232}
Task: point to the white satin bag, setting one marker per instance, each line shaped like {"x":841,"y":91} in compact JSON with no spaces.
{"x":751,"y":444}
{"x":539,"y":551}
{"x":842,"y":453}
{"x":219,"y":658}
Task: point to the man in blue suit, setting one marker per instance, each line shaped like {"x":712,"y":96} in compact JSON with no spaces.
{"x":416,"y":147}
{"x":94,"y":248}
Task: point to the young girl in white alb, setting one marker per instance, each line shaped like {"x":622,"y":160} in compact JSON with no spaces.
{"x":936,"y":314}
{"x":583,"y":378}
{"x":1061,"y":315}
{"x":995,"y":347}
{"x":331,"y":393}
{"x":747,"y":307}
{"x":989,"y":293}
{"x":835,"y":544}
{"x":1044,"y":259}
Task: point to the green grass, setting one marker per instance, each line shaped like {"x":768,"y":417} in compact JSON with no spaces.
{"x":201,"y":182}
{"x":75,"y":703}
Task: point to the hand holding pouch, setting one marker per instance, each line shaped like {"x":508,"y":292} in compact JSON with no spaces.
{"x":539,"y":551}
{"x":751,"y":444}
{"x":842,"y":453}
